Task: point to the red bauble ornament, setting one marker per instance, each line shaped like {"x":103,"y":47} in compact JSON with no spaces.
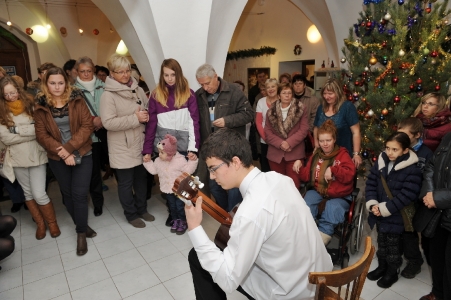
{"x":395,"y":79}
{"x":434,"y":53}
{"x":95,"y":32}
{"x":350,"y":98}
{"x":362,"y":24}
{"x":29,"y":31}
{"x":428,"y":10}
{"x":385,"y":112}
{"x":374,"y":158}
{"x":412,"y":87}
{"x":437,"y":87}
{"x":419,"y":81}
{"x":384,"y":44}
{"x":369,"y":24}
{"x":357,"y":83}
{"x":397,"y":99}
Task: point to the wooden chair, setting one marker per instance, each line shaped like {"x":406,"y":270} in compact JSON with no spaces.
{"x":355,"y":273}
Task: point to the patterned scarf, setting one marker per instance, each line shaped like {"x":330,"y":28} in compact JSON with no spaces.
{"x":16,"y":107}
{"x":328,"y":161}
{"x":443,"y":117}
{"x":283,"y":127}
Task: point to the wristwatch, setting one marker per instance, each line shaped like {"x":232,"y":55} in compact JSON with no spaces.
{"x":355,"y":153}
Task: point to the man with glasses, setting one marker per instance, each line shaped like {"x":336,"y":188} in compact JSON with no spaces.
{"x":220,"y":104}
{"x":274,"y":242}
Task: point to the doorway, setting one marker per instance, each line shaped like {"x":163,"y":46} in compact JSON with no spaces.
{"x":305,"y":67}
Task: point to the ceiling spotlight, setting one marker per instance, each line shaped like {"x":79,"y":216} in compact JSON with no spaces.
{"x":48,"y":26}
{"x":80,"y":30}
{"x":9,"y":23}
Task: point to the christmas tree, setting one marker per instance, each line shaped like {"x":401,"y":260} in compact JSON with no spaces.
{"x":397,"y":52}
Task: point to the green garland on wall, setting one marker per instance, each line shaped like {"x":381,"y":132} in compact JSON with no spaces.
{"x":264,"y":50}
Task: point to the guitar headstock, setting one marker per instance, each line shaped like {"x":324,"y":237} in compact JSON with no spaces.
{"x":186,"y":186}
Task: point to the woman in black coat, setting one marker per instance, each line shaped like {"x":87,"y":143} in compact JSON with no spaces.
{"x":436,"y":193}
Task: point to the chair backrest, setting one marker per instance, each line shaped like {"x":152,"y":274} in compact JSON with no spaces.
{"x":355,"y":273}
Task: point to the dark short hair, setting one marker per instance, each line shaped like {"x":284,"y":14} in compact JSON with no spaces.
{"x":69,"y":65}
{"x":400,"y":137}
{"x":103,"y":69}
{"x":226,"y":143}
{"x":299,"y":77}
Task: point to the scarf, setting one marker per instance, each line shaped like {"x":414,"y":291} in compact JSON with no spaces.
{"x":418,"y":145}
{"x":281,"y":126}
{"x":16,"y":107}
{"x":328,"y":161}
{"x":88,"y":85}
{"x":441,"y":118}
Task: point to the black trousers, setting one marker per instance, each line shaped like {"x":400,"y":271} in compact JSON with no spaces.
{"x":440,"y":256}
{"x":95,"y":187}
{"x":264,"y":163}
{"x":7,"y":225}
{"x":129,"y":181}
{"x":389,"y":248}
{"x":411,"y":247}
{"x":204,"y":286}
{"x":74,"y":185}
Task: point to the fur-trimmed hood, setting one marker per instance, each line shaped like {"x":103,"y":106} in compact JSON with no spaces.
{"x":400,"y":163}
{"x":294,"y":115}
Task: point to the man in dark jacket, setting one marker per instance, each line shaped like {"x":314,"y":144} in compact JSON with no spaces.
{"x":220,"y":105}
{"x":436,"y":193}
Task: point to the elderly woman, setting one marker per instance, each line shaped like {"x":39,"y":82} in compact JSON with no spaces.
{"x":286,"y":127}
{"x":330,"y":175}
{"x":92,"y":89}
{"x":123,"y":109}
{"x":436,"y":118}
{"x":435,"y":196}
{"x":27,"y":157}
{"x":335,"y":107}
{"x":63,"y":127}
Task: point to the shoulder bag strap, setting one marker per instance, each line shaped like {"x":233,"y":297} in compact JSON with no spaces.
{"x":387,"y":190}
{"x":90,"y":106}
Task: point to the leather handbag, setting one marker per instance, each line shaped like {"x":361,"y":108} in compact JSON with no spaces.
{"x":426,"y":220}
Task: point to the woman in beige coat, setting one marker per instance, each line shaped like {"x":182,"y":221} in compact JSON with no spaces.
{"x":27,"y":157}
{"x":123,"y":111}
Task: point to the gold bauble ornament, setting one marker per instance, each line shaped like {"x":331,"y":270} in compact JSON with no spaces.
{"x":373,"y":60}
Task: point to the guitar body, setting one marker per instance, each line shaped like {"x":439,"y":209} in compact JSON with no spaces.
{"x":187,"y":187}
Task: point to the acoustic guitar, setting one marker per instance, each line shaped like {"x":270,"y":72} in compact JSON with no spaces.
{"x":186,"y":187}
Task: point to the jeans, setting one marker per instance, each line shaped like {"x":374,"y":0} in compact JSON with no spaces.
{"x":226,"y":199}
{"x":32,"y":180}
{"x":14,"y":190}
{"x":74,"y":184}
{"x":95,"y":187}
{"x":129,"y":180}
{"x":333,"y":214}
{"x":176,"y":207}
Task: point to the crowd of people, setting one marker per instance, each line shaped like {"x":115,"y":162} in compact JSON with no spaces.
{"x":74,"y":121}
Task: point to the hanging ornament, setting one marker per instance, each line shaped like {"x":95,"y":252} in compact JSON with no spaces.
{"x":419,"y":81}
{"x":370,"y":113}
{"x":384,"y":44}
{"x":29,"y":31}
{"x":437,"y":87}
{"x":350,"y":98}
{"x":433,"y":61}
{"x":365,"y":154}
{"x":400,"y":2}
{"x":374,"y":158}
{"x":412,"y":87}
{"x":381,"y":117}
{"x":425,"y":59}
{"x":428,"y":9}
{"x":387,"y":16}
{"x":366,"y":69}
{"x":426,"y":51}
{"x":385,"y":112}
{"x":434,"y":53}
{"x":63,"y":31}
{"x":343,"y":60}
{"x":369,"y":24}
{"x":419,"y":87}
{"x":397,"y":99}
{"x":373,"y":60}
{"x":395,"y":79}
{"x":95,"y":32}
{"x":401,"y":53}
{"x":420,"y":94}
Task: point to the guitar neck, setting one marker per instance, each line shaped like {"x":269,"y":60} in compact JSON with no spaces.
{"x":213,"y":209}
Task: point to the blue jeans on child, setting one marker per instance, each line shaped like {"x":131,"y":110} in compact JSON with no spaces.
{"x":226,"y":199}
{"x":333,"y":214}
{"x":176,"y":207}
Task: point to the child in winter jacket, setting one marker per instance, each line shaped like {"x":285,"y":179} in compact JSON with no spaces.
{"x":169,"y":165}
{"x":397,"y":169}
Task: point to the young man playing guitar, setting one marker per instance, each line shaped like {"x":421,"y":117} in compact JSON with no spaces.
{"x":274,"y":242}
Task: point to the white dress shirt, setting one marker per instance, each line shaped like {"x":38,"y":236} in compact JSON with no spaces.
{"x":274,"y":242}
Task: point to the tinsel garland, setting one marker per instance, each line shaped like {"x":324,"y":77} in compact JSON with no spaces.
{"x":357,"y":44}
{"x":264,"y":50}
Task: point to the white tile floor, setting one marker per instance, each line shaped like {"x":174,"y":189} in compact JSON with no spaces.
{"x":124,"y":262}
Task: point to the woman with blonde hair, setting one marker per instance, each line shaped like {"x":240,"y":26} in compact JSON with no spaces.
{"x":28,"y":158}
{"x":123,"y":109}
{"x":172,"y":110}
{"x":63,"y":127}
{"x":343,"y":113}
{"x":435,"y":115}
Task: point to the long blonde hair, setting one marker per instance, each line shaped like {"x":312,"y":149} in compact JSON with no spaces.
{"x":182,"y":91}
{"x":332,"y":85}
{"x":440,"y":99}
{"x":45,"y":90}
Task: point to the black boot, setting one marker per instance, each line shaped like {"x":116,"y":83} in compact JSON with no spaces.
{"x":379,"y":271}
{"x":390,"y":277}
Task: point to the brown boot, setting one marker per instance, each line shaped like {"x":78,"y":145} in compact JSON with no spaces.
{"x":49,"y":215}
{"x":33,"y":207}
{"x":90,"y":233}
{"x":82,"y":245}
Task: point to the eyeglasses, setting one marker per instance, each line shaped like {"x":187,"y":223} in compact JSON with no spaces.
{"x":122,"y":73}
{"x":85,"y":71}
{"x":428,"y":104}
{"x":212,"y":170}
{"x":11,"y":95}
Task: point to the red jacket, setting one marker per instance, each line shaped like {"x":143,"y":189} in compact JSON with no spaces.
{"x":343,"y":170}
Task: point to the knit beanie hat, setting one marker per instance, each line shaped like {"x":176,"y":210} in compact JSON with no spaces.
{"x":168,"y":145}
